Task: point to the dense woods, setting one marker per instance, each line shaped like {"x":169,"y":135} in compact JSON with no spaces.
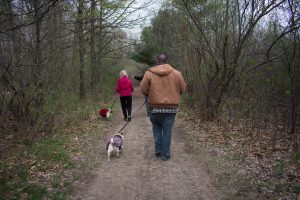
{"x":240,"y":58}
{"x":54,"y":49}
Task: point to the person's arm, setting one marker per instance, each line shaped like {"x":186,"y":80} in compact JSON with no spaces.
{"x":131,"y":86}
{"x":145,"y":84}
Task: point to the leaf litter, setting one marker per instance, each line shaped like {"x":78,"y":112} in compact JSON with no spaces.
{"x":21,"y":168}
{"x":262,"y":168}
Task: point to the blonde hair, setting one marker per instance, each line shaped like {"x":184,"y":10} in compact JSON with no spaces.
{"x":123,"y":73}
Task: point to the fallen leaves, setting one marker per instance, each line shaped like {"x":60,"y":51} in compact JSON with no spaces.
{"x":22,"y":165}
{"x":264,"y":155}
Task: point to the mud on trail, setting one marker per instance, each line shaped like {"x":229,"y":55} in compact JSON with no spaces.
{"x":138,"y":174}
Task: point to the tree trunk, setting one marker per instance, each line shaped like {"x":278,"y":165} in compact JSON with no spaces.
{"x":81,"y":49}
{"x":93,"y":52}
{"x":38,"y":51}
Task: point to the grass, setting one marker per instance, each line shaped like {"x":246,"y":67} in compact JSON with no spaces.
{"x":67,"y":109}
{"x":18,"y":186}
{"x":279,"y":168}
{"x":35,"y":192}
{"x":296,"y":157}
{"x":35,"y":168}
{"x":18,"y":180}
{"x":55,"y":183}
{"x":50,"y":149}
{"x":238,"y":156}
{"x":59,"y":196}
{"x":296,"y":188}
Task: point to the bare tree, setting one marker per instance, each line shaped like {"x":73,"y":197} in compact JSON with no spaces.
{"x":225,"y":53}
{"x":81,"y":47}
{"x":288,"y":42}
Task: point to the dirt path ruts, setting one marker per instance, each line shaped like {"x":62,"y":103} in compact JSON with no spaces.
{"x":139,"y":175}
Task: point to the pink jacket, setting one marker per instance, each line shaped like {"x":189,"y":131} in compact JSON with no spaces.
{"x":124,"y":86}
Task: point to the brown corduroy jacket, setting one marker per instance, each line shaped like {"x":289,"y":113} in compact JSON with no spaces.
{"x":163,"y":85}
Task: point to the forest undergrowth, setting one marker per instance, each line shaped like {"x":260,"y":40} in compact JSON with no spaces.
{"x":42,"y":165}
{"x":245,"y":163}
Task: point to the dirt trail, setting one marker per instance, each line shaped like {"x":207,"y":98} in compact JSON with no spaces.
{"x":138,"y":174}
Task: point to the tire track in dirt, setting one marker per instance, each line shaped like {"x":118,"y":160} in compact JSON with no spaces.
{"x":139,"y":175}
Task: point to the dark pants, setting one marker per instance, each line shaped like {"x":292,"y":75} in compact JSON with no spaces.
{"x":126,"y":103}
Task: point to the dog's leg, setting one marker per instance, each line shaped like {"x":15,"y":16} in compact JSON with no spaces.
{"x":108,"y":156}
{"x":109,"y":151}
{"x":118,"y":150}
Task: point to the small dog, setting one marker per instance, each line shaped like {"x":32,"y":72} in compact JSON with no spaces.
{"x":114,"y":144}
{"x":105,"y":113}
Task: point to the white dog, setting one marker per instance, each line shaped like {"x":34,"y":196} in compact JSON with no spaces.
{"x":108,"y":113}
{"x":114,"y":144}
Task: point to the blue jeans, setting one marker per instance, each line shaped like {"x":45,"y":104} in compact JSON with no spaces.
{"x":162,"y":124}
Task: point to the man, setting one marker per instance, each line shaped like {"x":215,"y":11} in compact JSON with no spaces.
{"x":163,"y":85}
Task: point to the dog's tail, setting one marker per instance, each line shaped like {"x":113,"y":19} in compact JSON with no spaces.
{"x":111,"y":141}
{"x":107,"y":144}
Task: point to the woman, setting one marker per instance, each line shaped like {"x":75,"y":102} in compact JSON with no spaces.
{"x":125,"y":89}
